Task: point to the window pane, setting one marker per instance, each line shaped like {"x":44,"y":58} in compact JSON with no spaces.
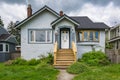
{"x":96,"y":36}
{"x":85,"y":36}
{"x":40,"y":36}
{"x":49,"y":36}
{"x":80,"y":36}
{"x":1,"y":47}
{"x":6,"y":47}
{"x":91,"y":36}
{"x":32,"y":35}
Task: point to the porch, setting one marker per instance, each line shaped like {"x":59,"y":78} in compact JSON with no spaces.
{"x":64,"y":57}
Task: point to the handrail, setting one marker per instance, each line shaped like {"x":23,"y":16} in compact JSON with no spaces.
{"x":74,"y":50}
{"x":55,"y":51}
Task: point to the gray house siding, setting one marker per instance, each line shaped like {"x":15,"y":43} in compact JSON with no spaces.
{"x":4,"y":57}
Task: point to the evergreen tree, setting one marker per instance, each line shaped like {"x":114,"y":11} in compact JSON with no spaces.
{"x":1,"y":22}
{"x":13,"y":31}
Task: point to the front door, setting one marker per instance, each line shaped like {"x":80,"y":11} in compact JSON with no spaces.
{"x":64,"y":39}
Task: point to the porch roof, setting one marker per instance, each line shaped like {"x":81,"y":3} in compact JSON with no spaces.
{"x":65,"y":17}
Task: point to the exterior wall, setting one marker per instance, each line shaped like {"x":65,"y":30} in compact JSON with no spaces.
{"x":83,"y":47}
{"x":34,"y":50}
{"x":65,"y":24}
{"x":4,"y":56}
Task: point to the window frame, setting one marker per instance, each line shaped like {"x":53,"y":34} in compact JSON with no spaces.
{"x":46,"y":35}
{"x":88,"y":35}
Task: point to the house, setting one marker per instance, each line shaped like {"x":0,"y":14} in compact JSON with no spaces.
{"x":113,"y":36}
{"x":7,"y":44}
{"x":47,"y":31}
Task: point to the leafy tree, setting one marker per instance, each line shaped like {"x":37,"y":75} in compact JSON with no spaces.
{"x":12,"y":30}
{"x":1,"y":22}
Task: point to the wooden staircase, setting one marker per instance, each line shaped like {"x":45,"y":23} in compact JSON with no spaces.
{"x":63,"y":58}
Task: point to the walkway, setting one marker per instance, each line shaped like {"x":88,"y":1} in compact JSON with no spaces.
{"x":64,"y":75}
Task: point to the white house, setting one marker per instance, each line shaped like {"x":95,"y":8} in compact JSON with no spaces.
{"x":41,"y":30}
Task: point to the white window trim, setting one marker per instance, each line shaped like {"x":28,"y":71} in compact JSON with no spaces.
{"x":4,"y":47}
{"x":34,"y":37}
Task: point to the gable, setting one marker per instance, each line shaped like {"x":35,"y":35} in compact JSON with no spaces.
{"x":36,"y":14}
{"x":64,"y":17}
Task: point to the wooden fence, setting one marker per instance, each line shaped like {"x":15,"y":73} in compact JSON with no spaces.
{"x":113,"y":55}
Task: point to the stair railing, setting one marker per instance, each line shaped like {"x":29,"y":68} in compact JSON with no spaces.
{"x":74,"y":50}
{"x":55,"y":51}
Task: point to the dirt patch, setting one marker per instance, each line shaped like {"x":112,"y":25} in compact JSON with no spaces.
{"x":64,"y":75}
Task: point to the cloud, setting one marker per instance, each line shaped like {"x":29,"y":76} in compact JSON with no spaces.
{"x":108,"y":14}
{"x":10,"y":12}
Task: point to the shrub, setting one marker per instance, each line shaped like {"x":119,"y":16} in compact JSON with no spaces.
{"x":47,"y":59}
{"x":77,"y":68}
{"x":19,"y":61}
{"x":33,"y":62}
{"x":94,"y":58}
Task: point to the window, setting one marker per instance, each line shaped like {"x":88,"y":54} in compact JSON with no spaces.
{"x":91,"y":36}
{"x":40,"y":36}
{"x":4,"y":47}
{"x":7,"y":47}
{"x":1,"y":47}
{"x":88,"y":35}
{"x":85,"y":36}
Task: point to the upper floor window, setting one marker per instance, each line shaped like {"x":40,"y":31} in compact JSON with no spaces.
{"x":88,"y":35}
{"x":40,"y":36}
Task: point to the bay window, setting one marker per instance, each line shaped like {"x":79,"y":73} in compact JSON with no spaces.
{"x":40,"y":36}
{"x":4,"y":47}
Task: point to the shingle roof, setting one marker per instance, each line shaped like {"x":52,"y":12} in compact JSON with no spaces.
{"x":3,"y":37}
{"x":3,"y":30}
{"x":86,"y":23}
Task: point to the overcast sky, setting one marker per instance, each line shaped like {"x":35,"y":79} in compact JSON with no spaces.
{"x":107,"y":11}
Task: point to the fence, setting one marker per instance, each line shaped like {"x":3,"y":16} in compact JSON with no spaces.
{"x":15,"y":55}
{"x":113,"y":55}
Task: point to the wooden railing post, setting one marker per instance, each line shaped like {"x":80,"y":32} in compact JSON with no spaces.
{"x":55,"y":51}
{"x":74,"y":51}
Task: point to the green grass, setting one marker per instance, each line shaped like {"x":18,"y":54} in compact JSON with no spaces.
{"x":110,"y":72}
{"x":27,"y":72}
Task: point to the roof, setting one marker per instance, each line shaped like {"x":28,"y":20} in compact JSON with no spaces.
{"x":3,"y":30}
{"x":36,"y":13}
{"x":3,"y":37}
{"x":86,"y":23}
{"x":64,"y":17}
{"x":82,"y":22}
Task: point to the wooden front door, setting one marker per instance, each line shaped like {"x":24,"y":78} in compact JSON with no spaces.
{"x":65,"y":39}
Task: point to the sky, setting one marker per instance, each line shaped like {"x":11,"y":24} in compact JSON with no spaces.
{"x":107,"y":11}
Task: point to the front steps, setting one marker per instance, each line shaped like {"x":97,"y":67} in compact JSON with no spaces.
{"x":64,"y":58}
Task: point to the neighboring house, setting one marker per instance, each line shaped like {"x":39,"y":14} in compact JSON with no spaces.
{"x":7,"y":44}
{"x":113,"y":36}
{"x":42,"y":29}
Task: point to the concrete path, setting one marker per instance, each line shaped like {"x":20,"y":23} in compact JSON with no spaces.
{"x":64,"y":75}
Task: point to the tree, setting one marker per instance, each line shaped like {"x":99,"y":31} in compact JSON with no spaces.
{"x":1,"y":22}
{"x":13,"y":31}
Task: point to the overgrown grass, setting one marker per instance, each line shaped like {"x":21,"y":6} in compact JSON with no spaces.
{"x":27,"y":72}
{"x":33,"y":69}
{"x":110,"y":72}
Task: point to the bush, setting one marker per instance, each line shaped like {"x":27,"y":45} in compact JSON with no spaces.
{"x":33,"y":62}
{"x":48,"y":59}
{"x":77,"y":68}
{"x":19,"y":61}
{"x":94,"y":58}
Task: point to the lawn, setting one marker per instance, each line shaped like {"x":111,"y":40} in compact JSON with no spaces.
{"x":110,"y":72}
{"x":27,"y":72}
